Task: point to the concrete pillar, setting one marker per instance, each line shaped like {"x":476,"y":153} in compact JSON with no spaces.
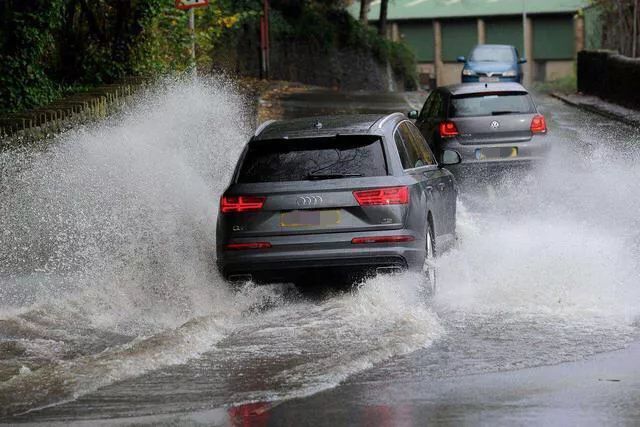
{"x":437,"y":51}
{"x":395,"y":32}
{"x":482,"y":33}
{"x":528,"y":48}
{"x":578,"y":26}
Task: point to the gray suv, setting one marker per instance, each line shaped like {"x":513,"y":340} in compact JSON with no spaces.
{"x":315,"y":196}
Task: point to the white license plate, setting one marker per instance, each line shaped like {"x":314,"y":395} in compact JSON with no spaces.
{"x":489,"y":79}
{"x":310,"y":218}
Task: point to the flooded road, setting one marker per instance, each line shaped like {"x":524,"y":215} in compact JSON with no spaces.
{"x":111,"y":309}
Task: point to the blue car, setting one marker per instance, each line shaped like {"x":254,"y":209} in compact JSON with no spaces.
{"x":492,"y":63}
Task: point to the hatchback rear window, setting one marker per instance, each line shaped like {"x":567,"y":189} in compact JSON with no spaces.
{"x":313,"y":158}
{"x":491,"y":104}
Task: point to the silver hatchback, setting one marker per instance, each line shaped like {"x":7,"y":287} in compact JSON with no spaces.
{"x":485,"y":123}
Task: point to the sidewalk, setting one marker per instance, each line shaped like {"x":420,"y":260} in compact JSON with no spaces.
{"x":602,"y":107}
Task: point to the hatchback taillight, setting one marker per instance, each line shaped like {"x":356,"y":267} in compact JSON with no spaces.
{"x":448,"y":130}
{"x":230,"y":204}
{"x":383,"y":196}
{"x":538,"y":124}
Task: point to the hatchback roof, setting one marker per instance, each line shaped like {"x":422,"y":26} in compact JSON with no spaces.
{"x":318,"y":126}
{"x":493,"y":45}
{"x":469,"y":88}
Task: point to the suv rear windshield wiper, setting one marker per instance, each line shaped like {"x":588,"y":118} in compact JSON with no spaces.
{"x":502,"y":113}
{"x":317,"y":176}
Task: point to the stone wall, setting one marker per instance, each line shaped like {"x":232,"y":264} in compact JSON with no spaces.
{"x":609,"y":76}
{"x":341,"y":68}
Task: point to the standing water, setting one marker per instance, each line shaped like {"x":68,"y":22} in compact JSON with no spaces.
{"x":107,"y":271}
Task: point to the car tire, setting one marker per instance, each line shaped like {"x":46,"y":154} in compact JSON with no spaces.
{"x":429,"y":268}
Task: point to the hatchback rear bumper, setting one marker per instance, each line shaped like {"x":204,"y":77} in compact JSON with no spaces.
{"x":530,"y":151}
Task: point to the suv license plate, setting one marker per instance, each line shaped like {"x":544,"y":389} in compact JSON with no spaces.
{"x":309,"y":218}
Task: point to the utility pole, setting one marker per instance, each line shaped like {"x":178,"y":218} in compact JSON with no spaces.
{"x":189,"y":5}
{"x":264,"y":40}
{"x":382,"y":21}
{"x":192,"y":32}
{"x":635,"y":29}
{"x":364,"y":12}
{"x":524,"y":28}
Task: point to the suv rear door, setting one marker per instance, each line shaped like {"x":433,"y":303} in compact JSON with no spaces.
{"x":307,"y":186}
{"x":419,"y":162}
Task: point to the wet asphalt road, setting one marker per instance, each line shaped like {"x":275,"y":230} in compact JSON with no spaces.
{"x":532,"y":325}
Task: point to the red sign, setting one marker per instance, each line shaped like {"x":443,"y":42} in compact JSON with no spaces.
{"x":190,"y":4}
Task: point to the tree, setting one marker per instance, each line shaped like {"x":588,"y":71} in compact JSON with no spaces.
{"x":364,"y":12}
{"x":382,"y":22}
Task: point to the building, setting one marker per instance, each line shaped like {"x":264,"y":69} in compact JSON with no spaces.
{"x":548,"y":33}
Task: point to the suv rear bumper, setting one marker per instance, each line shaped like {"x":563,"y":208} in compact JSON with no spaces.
{"x":291,"y":257}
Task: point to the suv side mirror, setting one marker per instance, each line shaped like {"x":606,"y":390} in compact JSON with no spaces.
{"x":413,"y":114}
{"x":461,"y":59}
{"x":522,"y":60}
{"x":450,"y":158}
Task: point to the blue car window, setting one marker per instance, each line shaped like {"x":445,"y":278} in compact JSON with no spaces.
{"x":493,"y":54}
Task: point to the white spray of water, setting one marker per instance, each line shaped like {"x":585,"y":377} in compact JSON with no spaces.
{"x":110,"y":243}
{"x":562,"y":240}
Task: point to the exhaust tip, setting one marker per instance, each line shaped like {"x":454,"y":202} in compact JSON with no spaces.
{"x":389,"y":270}
{"x":240,"y":277}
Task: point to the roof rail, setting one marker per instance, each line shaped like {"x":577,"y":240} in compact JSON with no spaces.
{"x":384,"y":120}
{"x":262,"y":127}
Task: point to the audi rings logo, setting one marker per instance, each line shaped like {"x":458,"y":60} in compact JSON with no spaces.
{"x":308,"y":200}
{"x":494,"y":124}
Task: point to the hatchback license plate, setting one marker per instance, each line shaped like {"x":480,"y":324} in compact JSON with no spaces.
{"x":496,"y":153}
{"x":309,"y":218}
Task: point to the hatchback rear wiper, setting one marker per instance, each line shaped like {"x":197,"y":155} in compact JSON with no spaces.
{"x":502,"y":113}
{"x":314,"y":176}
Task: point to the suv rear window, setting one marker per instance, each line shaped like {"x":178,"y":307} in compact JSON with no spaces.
{"x":313,"y":158}
{"x":488,"y":104}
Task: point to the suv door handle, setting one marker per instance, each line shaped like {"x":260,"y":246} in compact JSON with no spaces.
{"x":441,"y":186}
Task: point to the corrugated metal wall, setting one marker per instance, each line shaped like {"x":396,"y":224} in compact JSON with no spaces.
{"x":593,"y":28}
{"x":419,"y":37}
{"x":458,"y":37}
{"x":505,"y":31}
{"x":553,"y":37}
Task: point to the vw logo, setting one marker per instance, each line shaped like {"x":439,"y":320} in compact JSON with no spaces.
{"x":308,"y":200}
{"x":494,"y":125}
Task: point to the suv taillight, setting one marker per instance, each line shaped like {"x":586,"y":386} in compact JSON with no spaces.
{"x":230,"y":204}
{"x":383,"y":196}
{"x":538,"y":124}
{"x":448,"y":130}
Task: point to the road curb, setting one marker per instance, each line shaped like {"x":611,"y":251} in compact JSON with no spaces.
{"x":596,"y":110}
